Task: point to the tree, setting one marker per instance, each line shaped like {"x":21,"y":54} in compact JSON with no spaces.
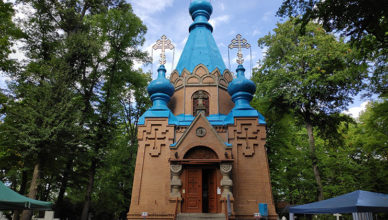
{"x":121,"y":32}
{"x":34,"y":124}
{"x":374,"y":128}
{"x":65,"y":103}
{"x":114,"y":179}
{"x":312,"y":75}
{"x":365,"y":22}
{"x":367,"y":141}
{"x":355,"y":160}
{"x":8,"y":33}
{"x":355,"y":18}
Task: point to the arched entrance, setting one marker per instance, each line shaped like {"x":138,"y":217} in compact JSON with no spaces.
{"x":201,"y":181}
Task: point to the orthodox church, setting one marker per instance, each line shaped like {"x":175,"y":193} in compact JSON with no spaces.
{"x":201,"y":145}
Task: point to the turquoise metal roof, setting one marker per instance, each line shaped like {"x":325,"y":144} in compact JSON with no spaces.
{"x":161,"y":84}
{"x":200,"y":48}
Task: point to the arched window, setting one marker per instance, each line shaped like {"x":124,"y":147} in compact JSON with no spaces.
{"x":200,"y":103}
{"x":200,"y":152}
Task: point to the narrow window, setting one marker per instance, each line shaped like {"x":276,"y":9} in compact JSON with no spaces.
{"x":201,"y":103}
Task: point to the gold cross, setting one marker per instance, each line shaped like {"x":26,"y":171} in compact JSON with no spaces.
{"x":239,"y":43}
{"x":163,"y":44}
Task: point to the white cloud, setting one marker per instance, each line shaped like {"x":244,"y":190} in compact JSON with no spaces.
{"x":263,"y":52}
{"x":3,"y":81}
{"x":222,"y":6}
{"x":22,"y":12}
{"x":232,"y":33}
{"x":268,"y":15}
{"x":220,"y":19}
{"x":218,"y":4}
{"x":256,"y":32}
{"x":18,"y":52}
{"x":137,"y":64}
{"x":355,"y":112}
{"x":221,"y":45}
{"x":182,"y":43}
{"x":145,"y":8}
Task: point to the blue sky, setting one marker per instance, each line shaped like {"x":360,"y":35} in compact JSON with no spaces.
{"x":250,"y":18}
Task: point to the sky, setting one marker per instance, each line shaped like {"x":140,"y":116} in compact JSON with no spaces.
{"x":251,"y":18}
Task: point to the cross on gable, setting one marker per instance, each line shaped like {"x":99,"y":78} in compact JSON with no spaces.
{"x":163,"y":44}
{"x":239,"y":43}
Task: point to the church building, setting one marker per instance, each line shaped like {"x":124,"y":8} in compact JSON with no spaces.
{"x":201,"y":146}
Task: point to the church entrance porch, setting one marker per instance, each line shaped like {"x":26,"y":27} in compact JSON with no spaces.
{"x":201,"y":181}
{"x":201,"y":189}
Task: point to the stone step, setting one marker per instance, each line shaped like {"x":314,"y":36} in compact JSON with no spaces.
{"x":200,"y":216}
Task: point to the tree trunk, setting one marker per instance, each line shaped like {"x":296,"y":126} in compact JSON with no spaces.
{"x":58,"y":206}
{"x":16,"y":213}
{"x":88,"y":197}
{"x":314,"y":160}
{"x":27,"y":214}
{"x":64,"y":181}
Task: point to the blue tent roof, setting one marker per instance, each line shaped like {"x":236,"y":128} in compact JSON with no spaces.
{"x":357,"y":201}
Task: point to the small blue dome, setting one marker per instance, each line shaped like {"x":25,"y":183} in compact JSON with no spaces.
{"x":241,"y":84}
{"x":200,"y":6}
{"x":161,"y":84}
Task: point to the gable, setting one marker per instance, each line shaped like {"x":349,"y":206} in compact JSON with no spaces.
{"x":200,"y":133}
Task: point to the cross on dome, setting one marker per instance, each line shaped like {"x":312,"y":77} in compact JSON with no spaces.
{"x":239,"y":43}
{"x":163,"y":44}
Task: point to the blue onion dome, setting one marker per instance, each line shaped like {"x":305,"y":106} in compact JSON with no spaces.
{"x":203,"y":7}
{"x":241,"y":84}
{"x":161,"y":84}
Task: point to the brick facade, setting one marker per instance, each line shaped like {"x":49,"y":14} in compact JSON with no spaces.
{"x":240,"y":161}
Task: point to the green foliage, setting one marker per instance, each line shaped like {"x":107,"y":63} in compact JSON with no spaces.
{"x":68,"y":110}
{"x":314,"y":74}
{"x":358,"y":162}
{"x":311,"y":76}
{"x":291,"y":176}
{"x":353,"y":19}
{"x":8,"y":33}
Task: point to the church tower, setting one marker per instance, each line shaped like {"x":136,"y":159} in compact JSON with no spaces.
{"x":201,"y":145}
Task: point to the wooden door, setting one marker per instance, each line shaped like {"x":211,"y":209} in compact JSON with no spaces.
{"x":193,"y":193}
{"x":212,"y":196}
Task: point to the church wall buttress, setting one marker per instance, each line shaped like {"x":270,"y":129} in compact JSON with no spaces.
{"x":251,"y":184}
{"x":149,"y":193}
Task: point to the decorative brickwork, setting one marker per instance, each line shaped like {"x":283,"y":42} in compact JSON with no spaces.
{"x":180,"y":129}
{"x":201,"y":76}
{"x":246,"y":136}
{"x":155,"y":136}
